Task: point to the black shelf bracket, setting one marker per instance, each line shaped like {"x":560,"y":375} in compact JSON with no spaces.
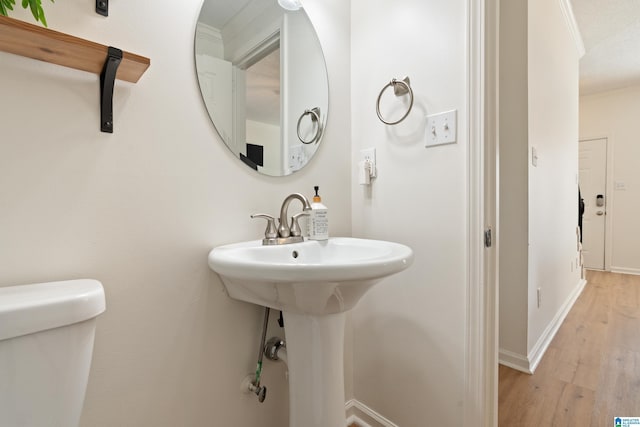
{"x":107,"y":82}
{"x":102,"y":7}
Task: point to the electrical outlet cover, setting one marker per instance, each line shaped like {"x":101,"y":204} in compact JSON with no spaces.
{"x":369,"y":154}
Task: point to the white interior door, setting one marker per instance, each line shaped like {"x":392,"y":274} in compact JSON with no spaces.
{"x":593,"y":185}
{"x":214,"y":76}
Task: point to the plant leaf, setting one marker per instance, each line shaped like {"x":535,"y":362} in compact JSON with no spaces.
{"x":33,"y":5}
{"x":41,"y":14}
{"x":6,"y":6}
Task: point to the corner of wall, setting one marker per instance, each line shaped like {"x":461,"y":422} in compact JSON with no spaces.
{"x":361,"y":415}
{"x":572,"y":26}
{"x":537,"y":352}
{"x":530,"y":362}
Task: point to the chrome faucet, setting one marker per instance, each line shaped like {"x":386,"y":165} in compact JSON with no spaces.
{"x":285,"y":233}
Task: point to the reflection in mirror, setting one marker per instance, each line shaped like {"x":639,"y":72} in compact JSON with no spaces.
{"x":263,"y":80}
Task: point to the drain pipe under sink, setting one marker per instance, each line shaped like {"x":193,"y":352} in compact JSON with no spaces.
{"x":276,"y":349}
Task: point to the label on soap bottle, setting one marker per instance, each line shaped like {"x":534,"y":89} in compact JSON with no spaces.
{"x":318,"y":222}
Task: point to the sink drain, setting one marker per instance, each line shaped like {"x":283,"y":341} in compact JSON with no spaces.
{"x":294,"y":254}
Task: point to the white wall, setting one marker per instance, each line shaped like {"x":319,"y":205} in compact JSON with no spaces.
{"x":542,"y":198}
{"x":304,"y":78}
{"x":553,"y":187}
{"x":614,"y":115}
{"x":268,"y":136}
{"x":514,"y":189}
{"x":409,"y":331}
{"x":140,"y":209}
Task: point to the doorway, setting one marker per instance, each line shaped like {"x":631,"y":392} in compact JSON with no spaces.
{"x":593,"y":189}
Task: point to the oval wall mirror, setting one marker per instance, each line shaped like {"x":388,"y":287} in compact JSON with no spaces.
{"x":263,"y":79}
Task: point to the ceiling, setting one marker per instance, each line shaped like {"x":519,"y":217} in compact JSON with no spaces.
{"x":218,"y":13}
{"x":610,"y":31}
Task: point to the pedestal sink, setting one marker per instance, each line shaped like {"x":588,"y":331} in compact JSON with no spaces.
{"x":314,"y":283}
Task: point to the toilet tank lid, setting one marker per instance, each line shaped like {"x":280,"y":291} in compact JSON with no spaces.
{"x":26,"y":309}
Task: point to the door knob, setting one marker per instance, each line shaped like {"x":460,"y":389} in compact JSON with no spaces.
{"x":599,"y":213}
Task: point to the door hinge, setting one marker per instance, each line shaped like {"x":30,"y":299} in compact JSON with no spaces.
{"x":487,"y":238}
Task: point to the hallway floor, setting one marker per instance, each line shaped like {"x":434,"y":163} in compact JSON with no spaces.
{"x":591,"y":371}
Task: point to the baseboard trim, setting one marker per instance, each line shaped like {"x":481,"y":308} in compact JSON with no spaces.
{"x":514,"y":360}
{"x":535,"y":356}
{"x":363,"y":416}
{"x":353,"y":420}
{"x":529,"y":363}
{"x":623,"y":270}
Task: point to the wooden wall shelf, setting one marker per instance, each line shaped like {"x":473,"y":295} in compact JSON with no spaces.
{"x":32,"y":41}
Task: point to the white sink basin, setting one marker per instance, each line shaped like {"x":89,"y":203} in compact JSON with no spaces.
{"x":312,"y":277}
{"x":313,"y":283}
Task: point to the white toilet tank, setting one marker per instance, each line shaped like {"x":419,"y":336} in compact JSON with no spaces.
{"x":46,"y":342}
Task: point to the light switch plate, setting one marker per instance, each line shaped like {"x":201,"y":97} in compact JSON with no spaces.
{"x":441,"y":128}
{"x":619,"y":186}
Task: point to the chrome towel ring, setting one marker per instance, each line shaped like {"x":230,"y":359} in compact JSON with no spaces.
{"x":315,"y":117}
{"x":400,"y":87}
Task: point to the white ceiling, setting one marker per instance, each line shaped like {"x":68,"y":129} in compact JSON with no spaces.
{"x":610,"y":31}
{"x":217,"y":13}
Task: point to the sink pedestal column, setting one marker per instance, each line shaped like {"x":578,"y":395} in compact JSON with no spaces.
{"x":315,"y":352}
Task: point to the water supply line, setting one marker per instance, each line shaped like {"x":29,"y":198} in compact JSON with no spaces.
{"x":254,"y":386}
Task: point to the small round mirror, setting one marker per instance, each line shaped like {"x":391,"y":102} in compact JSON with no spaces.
{"x":263,"y":79}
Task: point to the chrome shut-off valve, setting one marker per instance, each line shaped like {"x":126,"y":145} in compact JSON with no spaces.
{"x":259,"y":390}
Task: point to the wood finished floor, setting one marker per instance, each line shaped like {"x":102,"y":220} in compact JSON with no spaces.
{"x":591,"y":371}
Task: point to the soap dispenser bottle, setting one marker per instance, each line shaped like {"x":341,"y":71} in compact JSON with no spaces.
{"x":318,"y":221}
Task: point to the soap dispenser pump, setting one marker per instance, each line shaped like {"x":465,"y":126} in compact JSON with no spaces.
{"x":318,"y":221}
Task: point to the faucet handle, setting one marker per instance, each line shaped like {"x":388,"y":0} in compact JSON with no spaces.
{"x":271,"y":232}
{"x":295,"y":227}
